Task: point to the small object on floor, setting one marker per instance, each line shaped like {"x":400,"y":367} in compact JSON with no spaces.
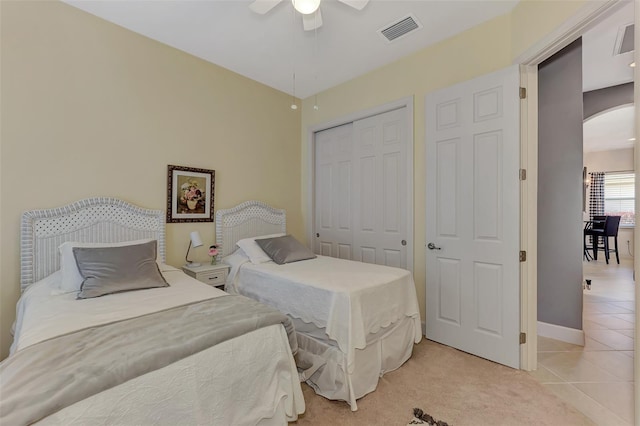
{"x":588,"y":284}
{"x":422,"y":418}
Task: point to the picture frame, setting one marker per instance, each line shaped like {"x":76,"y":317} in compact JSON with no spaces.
{"x":190,"y":194}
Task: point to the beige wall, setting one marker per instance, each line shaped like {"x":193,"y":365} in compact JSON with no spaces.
{"x":616,"y":160}
{"x":532,"y":20}
{"x":78,"y":92}
{"x":91,"y":109}
{"x":485,"y":48}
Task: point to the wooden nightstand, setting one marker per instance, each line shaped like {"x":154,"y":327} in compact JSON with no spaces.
{"x":214,"y":275}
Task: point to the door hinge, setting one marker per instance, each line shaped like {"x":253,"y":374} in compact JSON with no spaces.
{"x":523,"y":256}
{"x":523,"y":92}
{"x":523,"y":338}
{"x":523,"y":174}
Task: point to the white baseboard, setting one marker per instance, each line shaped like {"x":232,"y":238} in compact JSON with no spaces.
{"x":558,"y":332}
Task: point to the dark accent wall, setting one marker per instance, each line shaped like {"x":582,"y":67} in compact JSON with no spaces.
{"x":560,"y":116}
{"x":596,"y":101}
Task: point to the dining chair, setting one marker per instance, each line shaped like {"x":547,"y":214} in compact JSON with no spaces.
{"x":611,"y":227}
{"x":593,"y":228}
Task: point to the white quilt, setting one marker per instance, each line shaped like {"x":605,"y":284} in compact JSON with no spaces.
{"x":349,"y":299}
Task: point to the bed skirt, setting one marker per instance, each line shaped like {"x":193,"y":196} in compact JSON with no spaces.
{"x":323,"y":366}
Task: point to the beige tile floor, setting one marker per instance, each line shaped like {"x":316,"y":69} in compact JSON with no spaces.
{"x":597,"y":379}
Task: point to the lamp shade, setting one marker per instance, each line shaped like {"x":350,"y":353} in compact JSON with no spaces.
{"x":306,"y":7}
{"x":195,"y":239}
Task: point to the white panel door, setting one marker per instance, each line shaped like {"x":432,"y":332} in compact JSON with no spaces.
{"x":333,"y":165}
{"x":380,"y":189}
{"x":472,"y":224}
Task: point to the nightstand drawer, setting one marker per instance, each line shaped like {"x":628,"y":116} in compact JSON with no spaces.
{"x":213,"y":277}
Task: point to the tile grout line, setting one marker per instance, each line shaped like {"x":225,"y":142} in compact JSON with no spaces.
{"x":610,"y":304}
{"x":593,"y":401}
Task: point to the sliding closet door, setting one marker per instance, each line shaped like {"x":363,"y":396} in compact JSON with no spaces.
{"x":333,"y":214}
{"x":380,"y":190}
{"x":361,"y":190}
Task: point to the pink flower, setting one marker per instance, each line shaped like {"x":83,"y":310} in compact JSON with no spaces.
{"x":213,"y":250}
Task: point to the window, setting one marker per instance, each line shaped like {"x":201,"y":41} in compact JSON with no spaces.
{"x":619,"y":196}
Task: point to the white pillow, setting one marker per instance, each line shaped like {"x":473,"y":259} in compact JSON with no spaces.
{"x":252,"y":249}
{"x":71,"y":278}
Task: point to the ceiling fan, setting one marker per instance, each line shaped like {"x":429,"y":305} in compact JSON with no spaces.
{"x":310,"y":9}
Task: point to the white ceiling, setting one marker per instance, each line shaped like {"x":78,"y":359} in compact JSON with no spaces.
{"x":601,"y":67}
{"x":609,"y":131}
{"x":261,"y":47}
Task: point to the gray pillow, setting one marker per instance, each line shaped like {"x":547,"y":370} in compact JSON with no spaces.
{"x":107,"y":270}
{"x":285,"y":249}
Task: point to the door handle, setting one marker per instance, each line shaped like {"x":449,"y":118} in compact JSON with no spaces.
{"x":432,"y":246}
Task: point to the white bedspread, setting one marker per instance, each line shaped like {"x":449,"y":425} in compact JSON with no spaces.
{"x":44,"y":312}
{"x":349,"y":299}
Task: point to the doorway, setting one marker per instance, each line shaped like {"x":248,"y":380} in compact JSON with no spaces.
{"x":598,"y":378}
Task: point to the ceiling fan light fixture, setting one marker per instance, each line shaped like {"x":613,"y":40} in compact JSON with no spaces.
{"x":306,"y":7}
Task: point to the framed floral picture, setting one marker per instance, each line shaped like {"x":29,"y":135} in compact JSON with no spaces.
{"x":190,"y":194}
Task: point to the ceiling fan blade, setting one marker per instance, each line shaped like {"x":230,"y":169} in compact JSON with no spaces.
{"x":312,"y":21}
{"x":263,"y":6}
{"x":356,"y":4}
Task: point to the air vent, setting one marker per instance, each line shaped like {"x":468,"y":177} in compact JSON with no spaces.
{"x":400,"y":28}
{"x":624,"y":41}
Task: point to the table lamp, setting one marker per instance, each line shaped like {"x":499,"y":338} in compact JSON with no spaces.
{"x":195,"y":241}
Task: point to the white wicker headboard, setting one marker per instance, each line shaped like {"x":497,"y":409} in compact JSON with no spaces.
{"x":249,"y":219}
{"x":95,"y":220}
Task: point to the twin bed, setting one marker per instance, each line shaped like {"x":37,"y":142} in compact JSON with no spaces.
{"x":353,"y":322}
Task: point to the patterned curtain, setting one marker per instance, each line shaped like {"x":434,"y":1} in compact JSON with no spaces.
{"x":596,"y":197}
{"x":596,"y":194}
